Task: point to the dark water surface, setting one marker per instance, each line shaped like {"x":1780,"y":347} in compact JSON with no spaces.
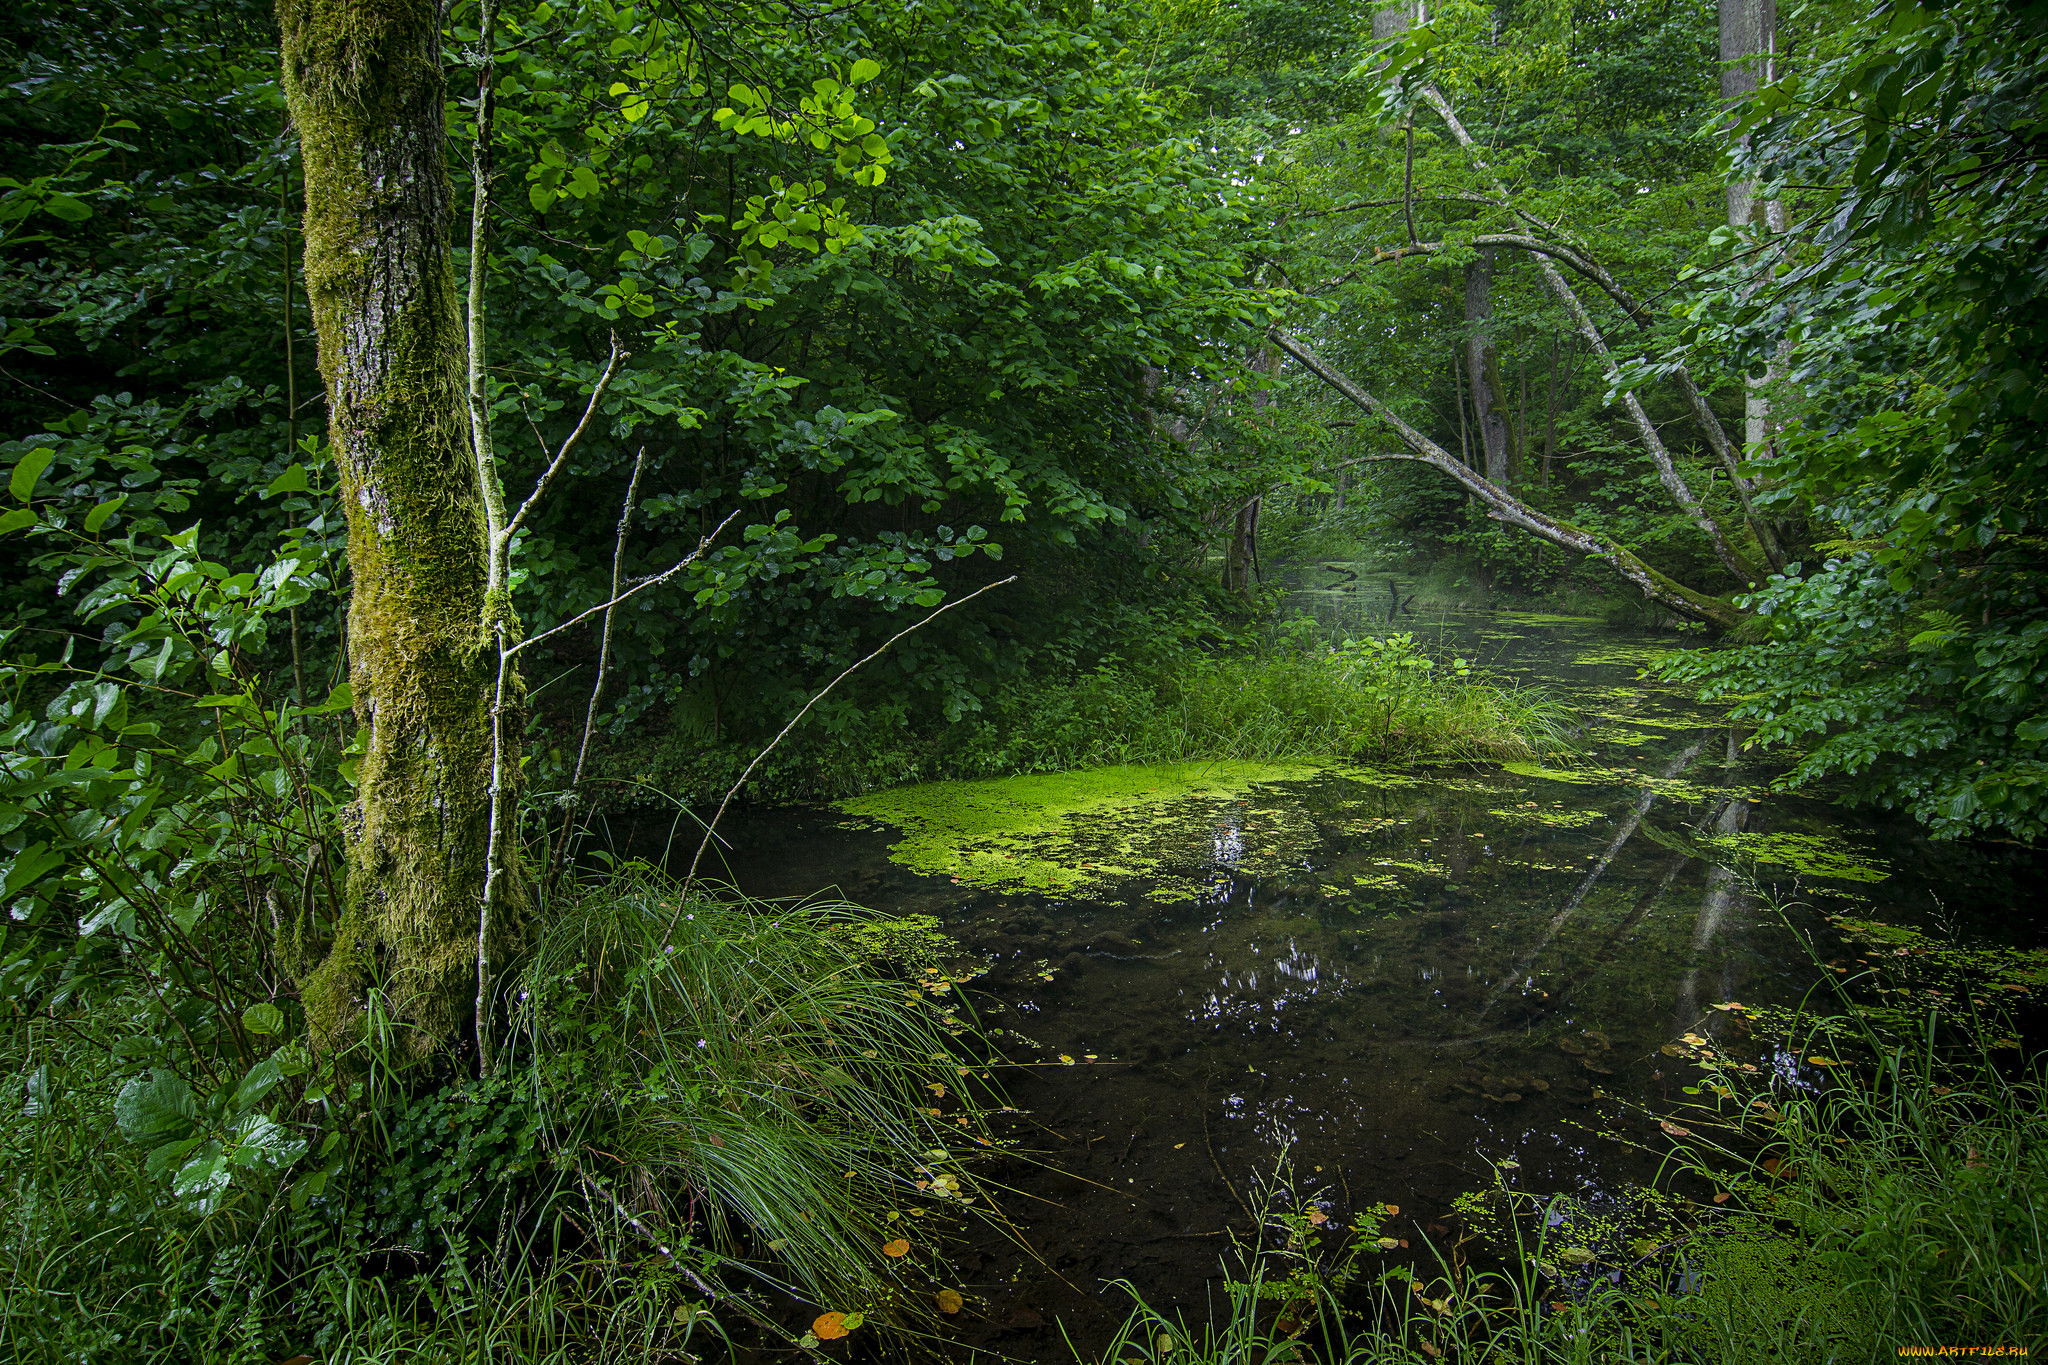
{"x":1452,"y":969}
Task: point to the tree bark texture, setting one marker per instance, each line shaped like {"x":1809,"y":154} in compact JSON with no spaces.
{"x":1239,"y":558}
{"x":364,"y":83}
{"x":1749,"y":39}
{"x":1489,"y":405}
{"x":1391,"y":21}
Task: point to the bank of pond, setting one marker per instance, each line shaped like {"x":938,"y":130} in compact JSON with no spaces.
{"x":1592,"y":1047}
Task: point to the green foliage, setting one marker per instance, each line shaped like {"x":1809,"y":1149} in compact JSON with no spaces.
{"x":676,"y":1118}
{"x":1374,"y":700}
{"x":1908,"y":655}
{"x":1377,"y":699}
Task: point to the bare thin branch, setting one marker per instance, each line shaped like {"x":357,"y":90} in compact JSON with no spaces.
{"x":604,"y":381}
{"x":604,"y":648}
{"x":712,"y":828}
{"x":664,"y":576}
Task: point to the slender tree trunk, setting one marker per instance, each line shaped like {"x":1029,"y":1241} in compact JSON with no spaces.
{"x":1749,"y":41}
{"x":1550,"y":414}
{"x":1518,"y":464}
{"x":1667,"y":471}
{"x":364,"y":84}
{"x":1237,"y":559}
{"x":1489,"y":404}
{"x":1458,"y":388}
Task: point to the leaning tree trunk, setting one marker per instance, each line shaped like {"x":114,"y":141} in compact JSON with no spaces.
{"x":363,"y":81}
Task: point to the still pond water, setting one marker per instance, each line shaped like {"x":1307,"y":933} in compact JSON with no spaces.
{"x":1389,"y":980}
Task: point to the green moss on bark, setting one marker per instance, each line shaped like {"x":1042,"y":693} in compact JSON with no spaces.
{"x":363,"y":80}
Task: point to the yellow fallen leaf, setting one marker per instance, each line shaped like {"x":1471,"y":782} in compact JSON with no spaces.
{"x":948,"y":1300}
{"x":895,"y":1250}
{"x":829,"y":1326}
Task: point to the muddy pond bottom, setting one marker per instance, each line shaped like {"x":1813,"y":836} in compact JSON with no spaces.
{"x":1360,"y":987}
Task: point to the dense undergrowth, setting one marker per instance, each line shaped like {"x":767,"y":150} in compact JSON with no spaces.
{"x":707,"y":1118}
{"x":1379,"y":699}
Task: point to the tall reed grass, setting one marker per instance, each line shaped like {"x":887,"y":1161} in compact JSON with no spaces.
{"x":1374,"y":700}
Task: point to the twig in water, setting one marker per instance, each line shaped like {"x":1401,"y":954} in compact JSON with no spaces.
{"x":1219,"y":1165}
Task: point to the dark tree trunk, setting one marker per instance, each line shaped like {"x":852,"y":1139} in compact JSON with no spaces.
{"x":1482,"y":368}
{"x":364,"y":84}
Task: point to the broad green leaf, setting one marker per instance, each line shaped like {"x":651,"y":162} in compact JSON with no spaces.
{"x":866,"y":69}
{"x":154,"y":1108}
{"x":98,"y":516}
{"x":27,"y":867}
{"x":293,"y":480}
{"x":169,"y":1156}
{"x":203,"y":1177}
{"x":69,"y":209}
{"x":263,"y":1018}
{"x":22,"y":482}
{"x":261,"y":1080}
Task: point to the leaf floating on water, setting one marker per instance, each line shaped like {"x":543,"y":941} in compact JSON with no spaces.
{"x":1672,"y":1050}
{"x":1391,"y":1209}
{"x":1668,"y":1126}
{"x":937,"y":1089}
{"x":1721,"y":1198}
{"x":1388,"y":1243}
{"x":1576,"y":1256}
{"x":948,"y":1300}
{"x":896,"y":1249}
{"x":1823,"y":1061}
{"x":1065,"y":1060}
{"x":1576,"y":1049}
{"x":829,"y":1326}
{"x":1317,"y":1217}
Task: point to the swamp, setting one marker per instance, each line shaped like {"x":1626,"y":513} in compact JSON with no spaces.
{"x":974,"y":681}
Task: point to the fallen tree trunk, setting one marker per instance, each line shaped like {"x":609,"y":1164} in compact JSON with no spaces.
{"x":1504,"y":507}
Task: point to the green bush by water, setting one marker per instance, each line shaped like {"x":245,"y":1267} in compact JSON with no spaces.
{"x":1375,"y":700}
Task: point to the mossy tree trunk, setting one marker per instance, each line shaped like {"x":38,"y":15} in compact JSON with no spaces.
{"x":364,"y":82}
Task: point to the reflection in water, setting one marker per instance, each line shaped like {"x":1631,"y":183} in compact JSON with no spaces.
{"x":1449,"y":967}
{"x":1722,"y":894}
{"x":1600,"y":865}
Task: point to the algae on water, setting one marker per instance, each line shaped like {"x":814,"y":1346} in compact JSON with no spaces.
{"x":1812,"y":855}
{"x":1081,"y":833}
